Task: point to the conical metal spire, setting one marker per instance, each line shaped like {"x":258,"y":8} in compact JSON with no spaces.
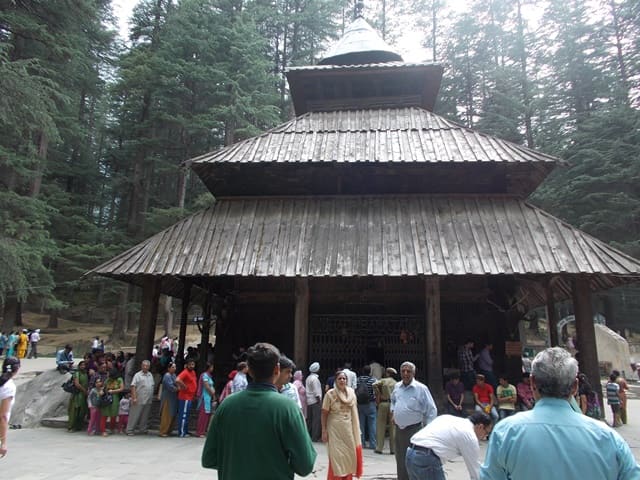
{"x":360,"y":44}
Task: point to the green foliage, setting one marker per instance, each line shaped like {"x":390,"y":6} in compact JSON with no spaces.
{"x":93,"y":134}
{"x":599,"y":192}
{"x":25,"y":246}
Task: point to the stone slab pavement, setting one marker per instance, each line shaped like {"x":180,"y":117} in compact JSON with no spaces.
{"x":52,"y":454}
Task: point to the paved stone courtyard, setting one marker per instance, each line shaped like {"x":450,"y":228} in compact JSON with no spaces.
{"x":53,"y":453}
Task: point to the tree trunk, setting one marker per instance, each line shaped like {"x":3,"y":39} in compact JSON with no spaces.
{"x":132,"y":317}
{"x":53,"y":319}
{"x":9,"y":314}
{"x":624,"y":76}
{"x":119,"y":319}
{"x":36,"y":183}
{"x":18,"y":318}
{"x":524,"y":81}
{"x":434,"y":28}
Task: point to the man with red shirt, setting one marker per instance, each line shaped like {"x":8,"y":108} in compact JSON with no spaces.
{"x":484,"y":397}
{"x":187,"y":383}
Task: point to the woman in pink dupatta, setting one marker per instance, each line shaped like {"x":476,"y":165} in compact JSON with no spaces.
{"x":341,"y":431}
{"x":226,"y":391}
{"x":302,"y":392}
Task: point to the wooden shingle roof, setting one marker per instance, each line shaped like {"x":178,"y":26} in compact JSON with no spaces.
{"x":373,"y":236}
{"x":378,"y":139}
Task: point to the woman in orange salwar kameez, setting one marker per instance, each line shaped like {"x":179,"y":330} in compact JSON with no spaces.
{"x":341,"y":431}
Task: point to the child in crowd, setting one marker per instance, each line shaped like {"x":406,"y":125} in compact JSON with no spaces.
{"x":123,"y":411}
{"x":93,"y":400}
{"x":613,"y":399}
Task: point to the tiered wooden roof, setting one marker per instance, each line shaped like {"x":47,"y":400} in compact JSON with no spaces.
{"x":363,"y":236}
{"x":391,"y":150}
{"x":366,"y":182}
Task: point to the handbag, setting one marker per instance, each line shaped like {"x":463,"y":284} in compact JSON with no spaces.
{"x":105,"y":400}
{"x":70,"y":386}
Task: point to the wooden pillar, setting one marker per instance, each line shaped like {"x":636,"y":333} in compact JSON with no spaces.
{"x":148,"y":319}
{"x":552,"y":315}
{"x":433,"y":341}
{"x":184,"y":314}
{"x":211,"y":311}
{"x":586,"y":332}
{"x":301,"y":323}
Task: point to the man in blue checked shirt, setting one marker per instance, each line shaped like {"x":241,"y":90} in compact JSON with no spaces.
{"x":552,"y":440}
{"x":412,"y":407}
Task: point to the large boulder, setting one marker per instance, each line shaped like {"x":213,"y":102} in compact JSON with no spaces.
{"x":613,"y":351}
{"x":39,"y":398}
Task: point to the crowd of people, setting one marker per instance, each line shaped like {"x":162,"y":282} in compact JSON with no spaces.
{"x":19,"y":343}
{"x":552,"y":405}
{"x":110,"y":397}
{"x":419,"y":438}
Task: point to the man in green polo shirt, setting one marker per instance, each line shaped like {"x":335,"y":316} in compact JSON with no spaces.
{"x":257,"y":433}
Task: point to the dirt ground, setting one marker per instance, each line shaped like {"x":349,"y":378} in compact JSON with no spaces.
{"x":81,"y":334}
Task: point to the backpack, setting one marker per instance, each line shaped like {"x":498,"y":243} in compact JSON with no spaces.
{"x":362,"y":393}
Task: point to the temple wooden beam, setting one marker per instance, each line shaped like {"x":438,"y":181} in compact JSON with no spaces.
{"x":148,"y":319}
{"x":433,"y":341}
{"x":301,"y":324}
{"x":586,"y":332}
{"x":184,"y":314}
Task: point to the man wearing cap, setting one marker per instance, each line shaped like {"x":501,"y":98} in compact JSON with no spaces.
{"x":412,"y":407}
{"x":383,"y":389}
{"x":314,"y":402}
{"x":34,"y":339}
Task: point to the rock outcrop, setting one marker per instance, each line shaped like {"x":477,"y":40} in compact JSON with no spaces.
{"x":39,"y":398}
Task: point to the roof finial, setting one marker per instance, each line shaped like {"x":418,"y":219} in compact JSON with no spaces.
{"x":358,"y":8}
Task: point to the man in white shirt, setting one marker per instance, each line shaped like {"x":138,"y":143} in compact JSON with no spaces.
{"x":142,"y":387}
{"x":352,"y":378}
{"x":314,"y":402}
{"x":240,"y":381}
{"x":444,"y":439}
{"x":34,"y":339}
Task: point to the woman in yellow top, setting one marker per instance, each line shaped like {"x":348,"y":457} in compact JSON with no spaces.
{"x":341,"y":429}
{"x":23,"y":343}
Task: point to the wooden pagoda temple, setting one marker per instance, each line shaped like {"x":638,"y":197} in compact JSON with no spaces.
{"x":369,"y":228}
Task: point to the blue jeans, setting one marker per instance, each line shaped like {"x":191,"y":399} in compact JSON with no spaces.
{"x":506,"y":413}
{"x":367,"y":415}
{"x":494,"y":413}
{"x":422,"y":465}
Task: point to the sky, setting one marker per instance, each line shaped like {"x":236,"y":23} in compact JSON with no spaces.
{"x":122,"y":9}
{"x":408,"y":45}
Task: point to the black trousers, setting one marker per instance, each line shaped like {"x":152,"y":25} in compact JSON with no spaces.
{"x":314,"y":424}
{"x":403,"y":437}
